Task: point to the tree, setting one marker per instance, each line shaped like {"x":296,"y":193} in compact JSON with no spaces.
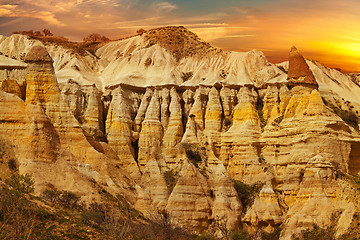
{"x":47,"y":33}
{"x":16,"y":210}
{"x":37,"y":34}
{"x":95,"y":37}
{"x":141,"y":31}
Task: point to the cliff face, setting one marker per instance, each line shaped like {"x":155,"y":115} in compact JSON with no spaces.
{"x":173,"y":132}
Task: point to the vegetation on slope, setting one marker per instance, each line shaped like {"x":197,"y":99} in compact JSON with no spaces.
{"x":179,"y":41}
{"x":247,"y":193}
{"x":90,"y":43}
{"x":347,"y":116}
{"x":60,"y":215}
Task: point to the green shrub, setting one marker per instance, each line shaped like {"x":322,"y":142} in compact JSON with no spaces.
{"x":274,"y":235}
{"x":247,"y":193}
{"x":316,"y":233}
{"x":227,"y":123}
{"x":94,"y":216}
{"x":171,"y":179}
{"x":63,"y":199}
{"x":21,"y":184}
{"x":195,"y":154}
{"x":259,"y":108}
{"x":278,"y":120}
{"x":239,"y":234}
{"x":347,"y":116}
{"x":357,"y":181}
{"x":12,"y":164}
{"x":17,"y":213}
{"x":186,"y":76}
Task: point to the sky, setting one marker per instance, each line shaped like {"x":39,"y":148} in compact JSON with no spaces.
{"x":324,"y":30}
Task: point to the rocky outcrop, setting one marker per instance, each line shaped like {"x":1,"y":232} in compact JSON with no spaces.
{"x":242,"y":157}
{"x":34,"y":147}
{"x":316,"y":201}
{"x":86,"y":105}
{"x":151,"y":132}
{"x":152,"y":122}
{"x":299,"y":71}
{"x":226,"y":205}
{"x":93,"y":159}
{"x":119,"y":131}
{"x":266,"y":212}
{"x":154,"y":193}
{"x":190,"y":202}
{"x":213,"y":119}
{"x":174,"y":131}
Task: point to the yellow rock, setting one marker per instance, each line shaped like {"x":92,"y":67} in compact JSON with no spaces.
{"x":153,"y":194}
{"x":174,"y":131}
{"x":242,"y":156}
{"x":13,"y":87}
{"x":151,"y":133}
{"x":119,"y":132}
{"x":189,"y":204}
{"x":213,"y":117}
{"x":265,"y":213}
{"x":226,"y":205}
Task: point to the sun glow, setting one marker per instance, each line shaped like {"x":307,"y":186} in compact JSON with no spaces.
{"x":323,"y":30}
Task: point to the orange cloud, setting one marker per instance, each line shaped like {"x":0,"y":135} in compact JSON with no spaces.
{"x":324,"y":30}
{"x":330,"y":35}
{"x":15,"y":11}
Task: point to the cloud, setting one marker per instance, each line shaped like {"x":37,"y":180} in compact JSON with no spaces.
{"x":316,"y":27}
{"x":239,"y":36}
{"x":7,"y":10}
{"x":16,"y":11}
{"x":164,"y":7}
{"x":323,"y":29}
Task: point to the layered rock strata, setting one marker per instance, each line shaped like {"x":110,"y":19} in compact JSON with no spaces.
{"x":173,"y":134}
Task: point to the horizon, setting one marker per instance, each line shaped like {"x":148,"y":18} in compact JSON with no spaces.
{"x":325,"y":31}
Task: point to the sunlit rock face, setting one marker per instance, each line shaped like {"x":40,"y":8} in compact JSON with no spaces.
{"x":174,"y":130}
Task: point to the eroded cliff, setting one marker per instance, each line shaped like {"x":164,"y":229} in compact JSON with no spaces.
{"x":177,"y":132}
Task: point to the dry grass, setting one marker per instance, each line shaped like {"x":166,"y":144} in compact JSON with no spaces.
{"x":179,"y":41}
{"x":60,"y":215}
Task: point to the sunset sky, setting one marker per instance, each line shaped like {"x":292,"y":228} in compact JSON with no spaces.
{"x":324,"y":30}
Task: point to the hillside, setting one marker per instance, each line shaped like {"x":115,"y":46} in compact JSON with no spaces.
{"x":223,"y":143}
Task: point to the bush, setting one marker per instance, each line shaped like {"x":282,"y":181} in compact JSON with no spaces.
{"x":227,"y":122}
{"x":21,"y":184}
{"x":171,"y":179}
{"x":259,"y":108}
{"x":95,"y":37}
{"x":186,"y":76}
{"x":141,"y":31}
{"x":247,"y":193}
{"x":357,"y":181}
{"x":195,"y":154}
{"x":12,"y":164}
{"x":278,"y":120}
{"x":17,"y":213}
{"x":94,"y":216}
{"x":239,"y":234}
{"x":274,"y":235}
{"x":63,"y":199}
{"x":316,"y":233}
{"x":47,"y":33}
{"x":347,"y":116}
{"x":194,"y":157}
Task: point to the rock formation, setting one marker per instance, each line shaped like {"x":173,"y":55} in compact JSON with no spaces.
{"x":299,"y":71}
{"x":171,"y":130}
